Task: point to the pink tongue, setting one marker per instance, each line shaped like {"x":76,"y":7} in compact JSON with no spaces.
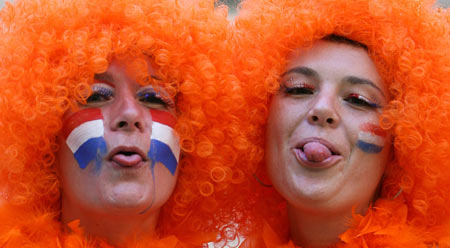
{"x":316,"y":152}
{"x":124,"y":160}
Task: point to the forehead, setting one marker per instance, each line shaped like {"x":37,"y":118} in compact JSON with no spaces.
{"x":336,"y":59}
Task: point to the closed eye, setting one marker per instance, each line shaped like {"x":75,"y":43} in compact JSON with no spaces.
{"x":360,"y":101}
{"x":100,"y":93}
{"x":298,"y":89}
{"x":148,"y":97}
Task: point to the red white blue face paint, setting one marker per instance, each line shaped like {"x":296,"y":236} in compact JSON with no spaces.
{"x":84,"y":134}
{"x":371,"y":139}
{"x":164,"y":142}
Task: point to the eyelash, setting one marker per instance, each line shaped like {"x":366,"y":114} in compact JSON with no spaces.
{"x":306,"y":89}
{"x":150,"y":98}
{"x":359,"y":100}
{"x":153,"y":99}
{"x":100,"y":94}
{"x":299,"y":89}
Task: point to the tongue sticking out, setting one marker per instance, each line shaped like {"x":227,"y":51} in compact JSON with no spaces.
{"x":316,"y":152}
{"x":127,"y":159}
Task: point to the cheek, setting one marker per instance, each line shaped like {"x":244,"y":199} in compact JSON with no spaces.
{"x":164,"y":183}
{"x":276,"y":125}
{"x":371,"y":138}
{"x":372,"y":148}
{"x":84,"y":135}
{"x":280,"y":119}
{"x":64,"y":157}
{"x":68,"y":169}
{"x":165,"y":142}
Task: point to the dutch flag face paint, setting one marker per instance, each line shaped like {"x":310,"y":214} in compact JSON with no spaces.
{"x":164,"y":143}
{"x":371,"y":139}
{"x":84,"y":134}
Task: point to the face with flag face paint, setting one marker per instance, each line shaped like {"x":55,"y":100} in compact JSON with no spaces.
{"x":325,"y":151}
{"x":119,"y":152}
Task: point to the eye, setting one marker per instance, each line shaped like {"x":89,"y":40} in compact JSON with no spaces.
{"x":293,"y":88}
{"x":152,"y":99}
{"x":100,"y":93}
{"x":361,"y":101}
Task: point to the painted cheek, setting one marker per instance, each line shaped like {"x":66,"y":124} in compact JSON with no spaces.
{"x":371,"y":138}
{"x":164,"y":141}
{"x":84,"y":135}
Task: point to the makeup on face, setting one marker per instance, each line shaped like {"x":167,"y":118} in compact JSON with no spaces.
{"x":87,"y":138}
{"x":371,"y":138}
{"x":164,"y":142}
{"x":164,"y":146}
{"x":84,"y":134}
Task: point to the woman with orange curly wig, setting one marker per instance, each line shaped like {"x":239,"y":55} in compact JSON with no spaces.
{"x":353,"y":110}
{"x":103,"y":105}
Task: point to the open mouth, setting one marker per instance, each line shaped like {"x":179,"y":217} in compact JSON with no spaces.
{"x":127,"y":156}
{"x":126,"y":153}
{"x":316,"y":152}
{"x":316,"y":147}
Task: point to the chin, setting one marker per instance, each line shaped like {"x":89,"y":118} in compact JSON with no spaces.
{"x":327,"y":201}
{"x":129,"y":195}
{"x":311,"y":199}
{"x":309,"y":192}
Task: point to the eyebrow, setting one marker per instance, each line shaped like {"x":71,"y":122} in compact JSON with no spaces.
{"x":306,"y":71}
{"x":302,"y":70}
{"x":357,"y":80}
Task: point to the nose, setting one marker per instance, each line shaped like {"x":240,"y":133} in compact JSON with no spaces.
{"x":128,"y":115}
{"x":323,"y":112}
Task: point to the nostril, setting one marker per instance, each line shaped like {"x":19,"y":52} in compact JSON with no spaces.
{"x":330,"y":121}
{"x":138,"y":125}
{"x":122,"y":124}
{"x":315,"y":118}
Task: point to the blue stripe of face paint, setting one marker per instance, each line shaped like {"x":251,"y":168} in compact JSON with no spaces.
{"x":368,"y":147}
{"x":161,"y":152}
{"x":92,"y":149}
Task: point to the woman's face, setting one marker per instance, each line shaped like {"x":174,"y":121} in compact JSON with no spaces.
{"x":325,"y":150}
{"x":119,"y":152}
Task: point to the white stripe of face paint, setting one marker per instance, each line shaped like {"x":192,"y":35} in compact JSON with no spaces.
{"x":168,"y":136}
{"x":84,"y":132}
{"x":371,"y":138}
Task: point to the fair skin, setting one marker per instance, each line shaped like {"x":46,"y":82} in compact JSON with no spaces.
{"x":325,"y":152}
{"x":119,"y":198}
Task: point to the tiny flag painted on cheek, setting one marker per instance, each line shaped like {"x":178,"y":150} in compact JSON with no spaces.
{"x":371,"y":139}
{"x":84,"y":133}
{"x":164,"y":142}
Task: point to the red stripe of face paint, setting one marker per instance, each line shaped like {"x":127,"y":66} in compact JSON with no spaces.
{"x":79,"y":118}
{"x":375,"y":129}
{"x":163,"y":117}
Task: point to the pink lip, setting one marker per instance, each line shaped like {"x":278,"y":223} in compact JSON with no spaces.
{"x":301,"y":157}
{"x":127,"y":156}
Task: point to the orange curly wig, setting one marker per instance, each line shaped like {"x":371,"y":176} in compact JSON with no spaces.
{"x":49,"y":53}
{"x":409,"y":43}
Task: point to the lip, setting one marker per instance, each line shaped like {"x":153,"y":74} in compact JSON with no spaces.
{"x":329,"y":162}
{"x":136,"y":157}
